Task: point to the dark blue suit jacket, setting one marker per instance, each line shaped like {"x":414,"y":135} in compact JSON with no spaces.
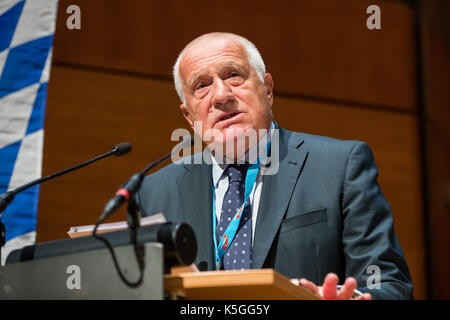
{"x":323,"y":212}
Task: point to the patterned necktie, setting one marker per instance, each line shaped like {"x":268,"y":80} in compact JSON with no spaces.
{"x":238,"y":255}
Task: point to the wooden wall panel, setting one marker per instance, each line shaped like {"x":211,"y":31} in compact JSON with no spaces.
{"x":313,"y":48}
{"x":436,"y":59}
{"x":437,"y":79}
{"x":439,"y":215}
{"x":88,"y":112}
{"x":435,"y":37}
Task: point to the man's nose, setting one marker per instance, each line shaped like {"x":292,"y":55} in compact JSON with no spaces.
{"x":222,"y":93}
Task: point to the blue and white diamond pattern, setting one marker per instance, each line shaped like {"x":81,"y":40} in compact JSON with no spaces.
{"x":26,"y":36}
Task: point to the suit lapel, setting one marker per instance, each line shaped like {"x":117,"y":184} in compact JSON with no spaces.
{"x":275,"y":196}
{"x":195,"y":194}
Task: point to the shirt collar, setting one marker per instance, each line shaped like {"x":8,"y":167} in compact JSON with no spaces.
{"x":218,"y":169}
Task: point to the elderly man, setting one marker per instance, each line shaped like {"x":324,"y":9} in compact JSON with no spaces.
{"x":320,"y":218}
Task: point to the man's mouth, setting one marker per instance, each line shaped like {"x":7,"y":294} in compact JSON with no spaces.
{"x":228,"y":116}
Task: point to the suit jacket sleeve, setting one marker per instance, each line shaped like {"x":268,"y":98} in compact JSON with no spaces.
{"x":368,"y":231}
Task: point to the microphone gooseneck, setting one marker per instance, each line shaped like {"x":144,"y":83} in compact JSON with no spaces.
{"x":129,"y":189}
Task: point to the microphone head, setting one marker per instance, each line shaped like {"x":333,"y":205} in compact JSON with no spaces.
{"x":122,"y":149}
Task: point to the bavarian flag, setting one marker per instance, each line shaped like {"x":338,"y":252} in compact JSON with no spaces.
{"x":26,"y":37}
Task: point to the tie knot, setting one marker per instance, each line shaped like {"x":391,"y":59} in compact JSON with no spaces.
{"x":237,"y":172}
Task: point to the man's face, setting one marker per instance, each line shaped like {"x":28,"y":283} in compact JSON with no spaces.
{"x":223,"y":91}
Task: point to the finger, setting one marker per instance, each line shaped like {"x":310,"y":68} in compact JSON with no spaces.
{"x":309,"y":285}
{"x":347,"y":289}
{"x":365,"y":296}
{"x":330,"y":286}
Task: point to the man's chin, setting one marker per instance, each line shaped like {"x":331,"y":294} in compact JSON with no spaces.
{"x":233,"y":143}
{"x":233,"y":134}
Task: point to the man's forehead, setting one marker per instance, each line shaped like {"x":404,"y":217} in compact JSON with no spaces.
{"x":225,"y":65}
{"x":200,"y":56}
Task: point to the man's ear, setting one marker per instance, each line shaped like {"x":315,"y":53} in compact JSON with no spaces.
{"x":186,"y":115}
{"x":268,"y":83}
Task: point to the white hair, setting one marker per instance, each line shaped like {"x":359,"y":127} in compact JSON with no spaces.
{"x":254,"y":58}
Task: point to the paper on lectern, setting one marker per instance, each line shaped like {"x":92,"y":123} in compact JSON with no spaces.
{"x":81,"y":231}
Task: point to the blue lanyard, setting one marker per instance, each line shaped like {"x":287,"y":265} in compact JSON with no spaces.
{"x":231,"y":230}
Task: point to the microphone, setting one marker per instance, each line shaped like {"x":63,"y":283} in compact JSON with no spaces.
{"x":126,"y":194}
{"x":122,"y":149}
{"x":6,"y":198}
{"x":128,"y":190}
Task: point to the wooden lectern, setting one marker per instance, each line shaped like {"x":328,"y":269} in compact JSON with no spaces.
{"x":257,"y":284}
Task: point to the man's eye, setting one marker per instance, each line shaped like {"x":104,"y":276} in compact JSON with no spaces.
{"x":200,"y":86}
{"x":235,"y":78}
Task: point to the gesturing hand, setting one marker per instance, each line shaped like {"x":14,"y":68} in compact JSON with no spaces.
{"x":329,"y":289}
